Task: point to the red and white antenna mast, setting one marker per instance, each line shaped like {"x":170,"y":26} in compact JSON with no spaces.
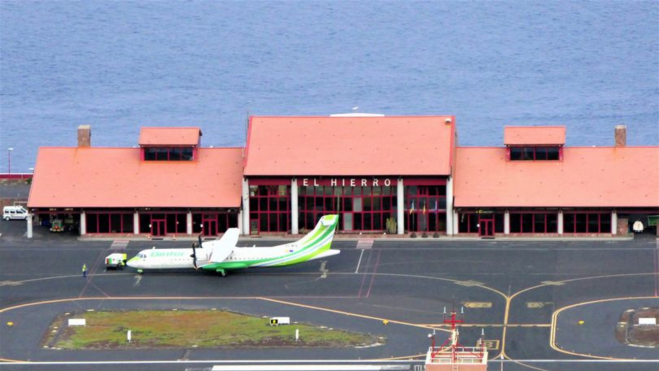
{"x":451,"y":354}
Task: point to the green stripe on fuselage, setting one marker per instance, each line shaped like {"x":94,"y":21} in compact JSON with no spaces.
{"x":302,"y":258}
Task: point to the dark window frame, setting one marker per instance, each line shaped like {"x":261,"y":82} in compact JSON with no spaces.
{"x":534,"y":153}
{"x":168,"y":153}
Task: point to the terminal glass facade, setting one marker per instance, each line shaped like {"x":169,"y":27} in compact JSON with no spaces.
{"x":471,"y":222}
{"x":533,"y":222}
{"x":100,"y":222}
{"x":425,"y":208}
{"x":362,"y":208}
{"x":587,"y":222}
{"x":270,"y":208}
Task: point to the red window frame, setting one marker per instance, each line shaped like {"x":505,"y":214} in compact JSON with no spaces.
{"x":472,"y":219}
{"x":222,"y":220}
{"x":589,"y":215}
{"x":270,"y":208}
{"x":316,"y":201}
{"x":95,"y":228}
{"x":419,"y":208}
{"x":535,"y":215}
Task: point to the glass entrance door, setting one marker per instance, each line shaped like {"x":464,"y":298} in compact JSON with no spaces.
{"x":210,"y":227}
{"x":158,"y":227}
{"x":486,"y":228}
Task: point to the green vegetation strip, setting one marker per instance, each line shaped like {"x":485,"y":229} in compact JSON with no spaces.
{"x":193,"y":329}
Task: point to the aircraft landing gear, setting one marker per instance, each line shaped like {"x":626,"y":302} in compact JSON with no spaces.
{"x":221,"y":271}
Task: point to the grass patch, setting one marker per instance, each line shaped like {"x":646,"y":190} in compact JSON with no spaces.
{"x":196,"y":328}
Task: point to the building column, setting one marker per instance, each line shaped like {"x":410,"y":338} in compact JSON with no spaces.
{"x":506,"y":222}
{"x":456,"y":222}
{"x":294,"y":208}
{"x":240,"y":221}
{"x":29,"y":225}
{"x":188,"y":222}
{"x":136,"y":223}
{"x":400,"y":188}
{"x":560,"y":222}
{"x":449,"y":206}
{"x":245,"y":201}
{"x":614,"y":222}
{"x":83,"y":223}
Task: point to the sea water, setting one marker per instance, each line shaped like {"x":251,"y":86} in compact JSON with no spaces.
{"x":120,"y":65}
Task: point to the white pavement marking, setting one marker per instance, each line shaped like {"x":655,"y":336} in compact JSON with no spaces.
{"x":119,"y":244}
{"x":310,"y":368}
{"x":323,"y":270}
{"x":364,"y":244}
{"x":359,"y":262}
{"x":327,"y":362}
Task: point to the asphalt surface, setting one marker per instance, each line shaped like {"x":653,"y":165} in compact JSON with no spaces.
{"x":538,"y":290}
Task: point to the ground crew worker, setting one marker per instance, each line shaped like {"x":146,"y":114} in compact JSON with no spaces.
{"x":84,"y":271}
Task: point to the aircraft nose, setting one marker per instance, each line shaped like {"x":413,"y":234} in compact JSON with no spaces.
{"x":133,"y":263}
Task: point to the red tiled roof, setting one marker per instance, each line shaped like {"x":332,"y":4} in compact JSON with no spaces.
{"x":404,"y":145}
{"x":534,"y":135}
{"x":587,"y":177}
{"x":116,"y":177}
{"x":169,"y":136}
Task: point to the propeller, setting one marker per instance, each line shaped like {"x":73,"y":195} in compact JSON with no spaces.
{"x":194,"y":252}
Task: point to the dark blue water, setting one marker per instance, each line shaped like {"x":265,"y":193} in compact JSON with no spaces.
{"x":122,"y":65}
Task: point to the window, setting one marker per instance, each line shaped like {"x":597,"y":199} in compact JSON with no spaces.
{"x":593,"y":222}
{"x":533,"y":222}
{"x":469,"y":222}
{"x":361,"y":208}
{"x":109,"y":222}
{"x":270,"y":208}
{"x":168,"y":153}
{"x":425,"y":208}
{"x":534,"y":153}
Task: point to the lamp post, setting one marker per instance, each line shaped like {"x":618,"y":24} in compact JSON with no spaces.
{"x":9,"y":158}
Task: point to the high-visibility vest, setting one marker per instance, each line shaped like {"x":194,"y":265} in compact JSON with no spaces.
{"x":84,"y":267}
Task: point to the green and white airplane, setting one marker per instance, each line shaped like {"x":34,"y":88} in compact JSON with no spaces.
{"x":223,"y":255}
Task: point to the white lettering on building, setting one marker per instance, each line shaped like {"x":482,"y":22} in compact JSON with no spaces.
{"x":351,"y":182}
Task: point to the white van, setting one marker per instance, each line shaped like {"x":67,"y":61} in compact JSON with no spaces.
{"x":14,"y":212}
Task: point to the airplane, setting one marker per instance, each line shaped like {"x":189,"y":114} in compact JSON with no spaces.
{"x":223,"y":255}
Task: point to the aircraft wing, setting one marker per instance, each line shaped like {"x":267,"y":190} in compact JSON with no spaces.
{"x":222,"y":248}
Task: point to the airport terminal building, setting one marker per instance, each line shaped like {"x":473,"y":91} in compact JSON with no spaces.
{"x":394,"y":175}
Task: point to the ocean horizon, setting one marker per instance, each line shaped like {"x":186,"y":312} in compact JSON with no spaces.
{"x":121,"y":65}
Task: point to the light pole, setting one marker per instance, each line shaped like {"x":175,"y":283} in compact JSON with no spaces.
{"x":9,"y":158}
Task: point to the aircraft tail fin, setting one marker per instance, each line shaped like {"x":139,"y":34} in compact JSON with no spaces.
{"x":323,"y":233}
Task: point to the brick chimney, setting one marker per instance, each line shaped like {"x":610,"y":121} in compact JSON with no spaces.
{"x":84,"y":136}
{"x":621,"y":135}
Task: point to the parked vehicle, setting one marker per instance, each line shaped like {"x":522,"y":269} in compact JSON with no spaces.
{"x":57,"y":226}
{"x":116,"y":261}
{"x":15,"y":212}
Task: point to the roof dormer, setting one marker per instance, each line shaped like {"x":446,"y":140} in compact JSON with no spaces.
{"x":534,"y":143}
{"x":169,"y":144}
